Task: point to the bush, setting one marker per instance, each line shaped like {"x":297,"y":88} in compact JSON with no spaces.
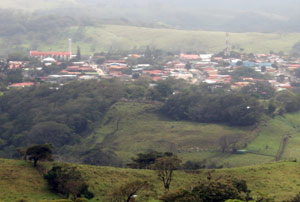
{"x":81,"y":200}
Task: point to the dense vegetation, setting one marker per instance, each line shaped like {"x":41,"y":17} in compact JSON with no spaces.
{"x":232,"y":108}
{"x":65,"y":115}
{"x":44,"y":114}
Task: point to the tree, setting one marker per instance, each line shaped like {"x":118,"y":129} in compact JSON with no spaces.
{"x":128,"y":191}
{"x":39,"y":152}
{"x":50,"y":132}
{"x":229,"y":142}
{"x":68,"y":181}
{"x":165,"y":167}
{"x":147,"y":160}
{"x":78,"y":54}
{"x":262,"y":90}
{"x":188,"y":66}
{"x":239,"y":63}
{"x":289,"y":101}
{"x":218,"y":190}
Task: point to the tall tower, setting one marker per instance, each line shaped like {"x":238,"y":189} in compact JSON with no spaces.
{"x":227,"y":45}
{"x":70,"y":47}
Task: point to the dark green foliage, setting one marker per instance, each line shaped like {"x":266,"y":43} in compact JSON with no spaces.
{"x":78,"y":54}
{"x":212,"y":191}
{"x":191,"y":165}
{"x":43,"y":114}
{"x":245,"y":72}
{"x":21,"y":200}
{"x":231,"y":108}
{"x":261,"y":90}
{"x":147,"y":160}
{"x":39,"y":152}
{"x":14,"y":76}
{"x":100,"y":157}
{"x":188,"y":66}
{"x":50,"y":132}
{"x":68,"y":181}
{"x":162,"y":90}
{"x":290,"y":102}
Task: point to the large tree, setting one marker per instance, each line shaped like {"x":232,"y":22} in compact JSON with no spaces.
{"x":165,"y":167}
{"x":39,"y":152}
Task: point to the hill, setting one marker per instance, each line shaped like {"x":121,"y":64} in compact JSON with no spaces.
{"x":131,"y":127}
{"x":232,"y":15}
{"x":20,"y":180}
{"x":114,"y":38}
{"x":100,"y":123}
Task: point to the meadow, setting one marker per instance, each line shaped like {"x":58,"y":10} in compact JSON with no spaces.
{"x":130,"y":128}
{"x":19,"y":180}
{"x":105,"y":38}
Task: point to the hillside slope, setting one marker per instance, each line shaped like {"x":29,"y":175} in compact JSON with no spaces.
{"x":131,"y":127}
{"x":120,"y":37}
{"x":20,"y":180}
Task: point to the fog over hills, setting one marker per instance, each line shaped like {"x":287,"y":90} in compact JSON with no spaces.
{"x":219,"y":15}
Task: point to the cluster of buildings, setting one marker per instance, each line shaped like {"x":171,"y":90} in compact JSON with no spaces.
{"x":194,"y":68}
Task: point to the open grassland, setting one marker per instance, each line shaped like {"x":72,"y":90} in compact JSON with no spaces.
{"x":20,"y":180}
{"x":121,"y":37}
{"x":270,"y":139}
{"x":130,"y":128}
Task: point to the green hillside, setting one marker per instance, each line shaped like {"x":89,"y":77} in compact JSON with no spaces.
{"x":20,"y":180}
{"x":127,"y":37}
{"x":130,"y":128}
{"x":120,"y":37}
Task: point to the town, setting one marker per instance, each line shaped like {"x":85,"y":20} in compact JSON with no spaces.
{"x":275,"y":69}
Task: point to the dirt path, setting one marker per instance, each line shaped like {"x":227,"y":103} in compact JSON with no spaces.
{"x":282,"y":147}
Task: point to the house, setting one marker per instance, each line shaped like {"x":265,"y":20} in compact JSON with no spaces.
{"x":16,"y":64}
{"x":51,"y":54}
{"x":189,"y":57}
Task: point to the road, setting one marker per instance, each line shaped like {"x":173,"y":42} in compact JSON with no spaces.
{"x":98,"y":70}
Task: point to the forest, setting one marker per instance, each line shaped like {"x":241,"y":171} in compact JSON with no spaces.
{"x":63,"y":115}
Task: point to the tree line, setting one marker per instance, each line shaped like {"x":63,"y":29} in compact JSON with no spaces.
{"x":64,"y":115}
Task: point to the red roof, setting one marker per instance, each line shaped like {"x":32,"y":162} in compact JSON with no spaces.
{"x":294,"y":65}
{"x":189,"y":57}
{"x":50,"y":53}
{"x":22,"y":84}
{"x":73,"y":67}
{"x":156,"y":78}
{"x":209,"y":69}
{"x":153,"y":72}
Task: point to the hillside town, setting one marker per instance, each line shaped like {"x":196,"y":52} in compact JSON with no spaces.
{"x":213,"y":69}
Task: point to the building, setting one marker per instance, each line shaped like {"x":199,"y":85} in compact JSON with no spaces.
{"x":51,"y":54}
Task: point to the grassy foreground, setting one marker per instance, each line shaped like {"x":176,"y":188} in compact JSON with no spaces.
{"x":18,"y":179}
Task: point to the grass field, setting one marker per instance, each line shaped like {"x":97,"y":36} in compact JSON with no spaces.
{"x":19,"y":180}
{"x":121,"y":37}
{"x":130,"y":128}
